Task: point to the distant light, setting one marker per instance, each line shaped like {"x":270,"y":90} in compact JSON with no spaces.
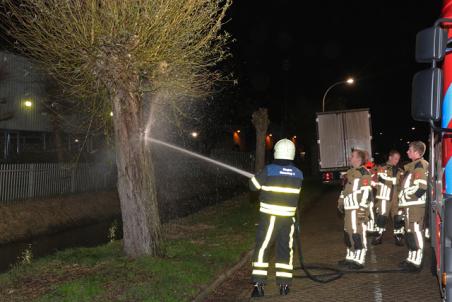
{"x":28,"y":103}
{"x":111,"y":113}
{"x":381,"y":133}
{"x":76,"y":140}
{"x":407,"y":143}
{"x":413,"y":128}
{"x":238,"y":131}
{"x":350,"y":81}
{"x":270,"y":135}
{"x":194,"y":134}
{"x":401,"y":139}
{"x":377,"y":153}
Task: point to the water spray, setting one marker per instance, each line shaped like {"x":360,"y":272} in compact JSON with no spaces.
{"x":205,"y":158}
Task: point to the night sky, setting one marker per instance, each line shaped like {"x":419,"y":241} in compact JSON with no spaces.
{"x":287,"y":53}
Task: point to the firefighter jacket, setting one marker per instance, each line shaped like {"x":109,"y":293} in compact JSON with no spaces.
{"x":280,"y":185}
{"x":357,"y":192}
{"x":388,"y":179}
{"x":414,"y":186}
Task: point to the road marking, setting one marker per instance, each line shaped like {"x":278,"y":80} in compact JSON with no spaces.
{"x":378,"y":294}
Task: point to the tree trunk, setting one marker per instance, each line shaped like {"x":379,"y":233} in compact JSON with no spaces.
{"x":57,"y":136}
{"x":139,"y":208}
{"x":260,"y":150}
{"x":260,"y":121}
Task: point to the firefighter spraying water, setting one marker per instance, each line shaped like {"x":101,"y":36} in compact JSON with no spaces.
{"x":279,"y":184}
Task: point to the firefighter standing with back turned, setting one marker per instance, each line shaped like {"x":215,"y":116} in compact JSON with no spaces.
{"x":412,"y":200}
{"x":280,"y":185}
{"x":388,"y":181}
{"x":354,"y":203}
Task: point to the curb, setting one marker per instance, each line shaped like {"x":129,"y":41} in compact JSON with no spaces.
{"x":209,"y":289}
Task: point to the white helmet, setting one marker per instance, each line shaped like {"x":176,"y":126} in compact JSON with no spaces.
{"x":285,"y":149}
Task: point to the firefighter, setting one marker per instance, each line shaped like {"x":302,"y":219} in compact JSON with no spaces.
{"x":371,"y":223}
{"x":388,"y":181}
{"x":279,"y":184}
{"x":354,"y":203}
{"x":412,"y":200}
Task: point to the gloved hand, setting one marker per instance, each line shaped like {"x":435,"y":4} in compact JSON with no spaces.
{"x":407,"y":192}
{"x":382,"y":176}
{"x":340,"y":211}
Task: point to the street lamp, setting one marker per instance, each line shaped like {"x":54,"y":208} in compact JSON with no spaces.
{"x":349,"y":81}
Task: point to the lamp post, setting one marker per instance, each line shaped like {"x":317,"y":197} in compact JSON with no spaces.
{"x":349,"y":81}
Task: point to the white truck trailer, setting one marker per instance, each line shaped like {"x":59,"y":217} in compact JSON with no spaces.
{"x":338,"y":133}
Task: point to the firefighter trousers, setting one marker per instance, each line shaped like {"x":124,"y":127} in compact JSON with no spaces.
{"x":414,"y":226}
{"x":385,"y":209}
{"x":355,"y":227}
{"x":277,"y":230}
{"x":371,"y":223}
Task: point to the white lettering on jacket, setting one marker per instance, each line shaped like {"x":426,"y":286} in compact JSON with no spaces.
{"x":286,"y":171}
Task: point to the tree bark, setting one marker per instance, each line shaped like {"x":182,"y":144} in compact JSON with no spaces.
{"x":57,"y":136}
{"x":136,"y":188}
{"x":260,"y":121}
{"x":260,"y":150}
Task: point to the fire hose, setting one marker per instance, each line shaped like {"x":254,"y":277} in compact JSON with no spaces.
{"x":330,"y":273}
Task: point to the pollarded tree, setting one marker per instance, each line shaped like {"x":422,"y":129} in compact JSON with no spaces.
{"x":260,"y":121}
{"x":135,"y":53}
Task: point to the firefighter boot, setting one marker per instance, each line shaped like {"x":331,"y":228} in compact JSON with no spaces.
{"x":258,"y":290}
{"x":356,"y":266}
{"x":398,"y":238}
{"x":410,"y":267}
{"x":344,"y":263}
{"x":378,"y":240}
{"x":283,"y":289}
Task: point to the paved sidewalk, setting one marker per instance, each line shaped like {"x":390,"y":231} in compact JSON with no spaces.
{"x":322,"y":239}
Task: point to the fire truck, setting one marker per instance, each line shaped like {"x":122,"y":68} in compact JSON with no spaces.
{"x":432,"y":103}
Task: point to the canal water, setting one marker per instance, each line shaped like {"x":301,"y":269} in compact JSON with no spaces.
{"x":86,"y":236}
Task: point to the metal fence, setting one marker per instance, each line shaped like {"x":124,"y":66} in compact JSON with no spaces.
{"x":179,"y":178}
{"x":25,"y":181}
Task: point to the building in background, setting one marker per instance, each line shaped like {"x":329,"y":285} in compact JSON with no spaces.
{"x":28,"y":128}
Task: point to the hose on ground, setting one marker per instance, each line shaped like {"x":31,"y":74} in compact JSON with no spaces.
{"x":330,"y":273}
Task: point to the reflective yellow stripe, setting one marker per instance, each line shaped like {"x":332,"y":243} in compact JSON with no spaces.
{"x":255,"y":183}
{"x":284,"y":266}
{"x":271,"y":226}
{"x":284,"y":274}
{"x":277,"y":210}
{"x":277,"y":207}
{"x":259,"y":272}
{"x":292,"y":229}
{"x":281,"y":190}
{"x":277,"y":213}
{"x":260,"y":264}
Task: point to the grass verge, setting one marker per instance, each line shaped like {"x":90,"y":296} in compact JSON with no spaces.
{"x":199,"y":247}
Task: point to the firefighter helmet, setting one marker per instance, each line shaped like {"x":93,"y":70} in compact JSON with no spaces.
{"x":285,"y":149}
